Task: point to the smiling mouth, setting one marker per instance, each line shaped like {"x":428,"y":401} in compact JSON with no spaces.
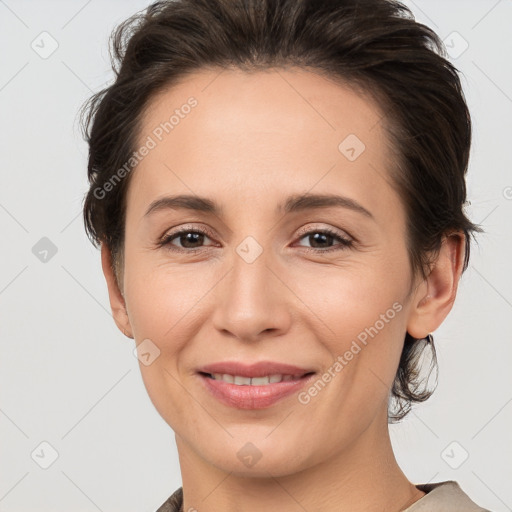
{"x":240,"y":380}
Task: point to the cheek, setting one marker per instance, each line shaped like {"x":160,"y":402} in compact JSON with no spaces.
{"x":163,"y":307}
{"x":352,"y":296}
{"x":361,"y":311}
{"x":364,"y":343}
{"x":161,"y":299}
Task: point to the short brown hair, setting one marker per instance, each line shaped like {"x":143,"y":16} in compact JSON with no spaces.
{"x":373,"y":45}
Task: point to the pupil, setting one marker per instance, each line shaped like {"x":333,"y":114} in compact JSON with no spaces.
{"x":191,"y":238}
{"x":321,"y":236}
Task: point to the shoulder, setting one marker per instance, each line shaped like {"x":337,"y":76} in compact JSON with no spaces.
{"x":174,"y":503}
{"x":446,"y":496}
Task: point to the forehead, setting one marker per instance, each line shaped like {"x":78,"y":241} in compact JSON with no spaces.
{"x":292,"y":100}
{"x":277,"y":129}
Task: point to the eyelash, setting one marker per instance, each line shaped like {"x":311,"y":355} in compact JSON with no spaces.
{"x":344,"y":242}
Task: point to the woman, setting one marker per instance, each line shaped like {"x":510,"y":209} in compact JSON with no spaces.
{"x":278,"y":190}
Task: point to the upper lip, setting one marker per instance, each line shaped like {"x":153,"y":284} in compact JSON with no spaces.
{"x":259,"y":369}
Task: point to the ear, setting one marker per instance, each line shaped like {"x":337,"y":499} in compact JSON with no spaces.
{"x":117,"y":302}
{"x":435,"y":295}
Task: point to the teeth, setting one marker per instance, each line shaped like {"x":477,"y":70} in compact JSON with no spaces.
{"x":242,"y":380}
{"x":254,"y":381}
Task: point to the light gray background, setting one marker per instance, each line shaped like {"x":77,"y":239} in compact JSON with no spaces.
{"x":68,"y":377}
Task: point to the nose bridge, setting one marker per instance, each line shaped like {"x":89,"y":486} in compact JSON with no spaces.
{"x":250,"y":300}
{"x":249,"y":280}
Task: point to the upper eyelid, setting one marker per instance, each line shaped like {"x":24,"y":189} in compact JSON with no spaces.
{"x":342,"y":234}
{"x":337,"y":231}
{"x":171,"y":234}
{"x":207,"y":231}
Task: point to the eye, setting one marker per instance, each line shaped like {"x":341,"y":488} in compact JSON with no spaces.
{"x":323,"y":239}
{"x":190,"y":240}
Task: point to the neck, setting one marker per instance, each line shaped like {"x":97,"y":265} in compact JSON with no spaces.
{"x":363,"y":477}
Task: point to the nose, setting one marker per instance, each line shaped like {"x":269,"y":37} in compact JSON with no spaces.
{"x":252,"y":302}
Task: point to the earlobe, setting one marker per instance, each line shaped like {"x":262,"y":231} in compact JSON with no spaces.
{"x":117,"y":302}
{"x":435,"y":296}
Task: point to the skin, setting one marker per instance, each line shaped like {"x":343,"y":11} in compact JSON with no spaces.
{"x":253,"y":140}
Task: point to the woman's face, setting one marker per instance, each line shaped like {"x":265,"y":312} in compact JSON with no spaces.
{"x":263,"y":281}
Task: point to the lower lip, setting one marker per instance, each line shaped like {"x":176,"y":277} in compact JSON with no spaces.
{"x":253,"y":397}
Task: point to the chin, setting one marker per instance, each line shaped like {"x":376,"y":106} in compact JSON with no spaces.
{"x":256,"y":459}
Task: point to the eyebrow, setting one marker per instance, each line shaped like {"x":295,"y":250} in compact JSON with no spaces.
{"x":294,"y":203}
